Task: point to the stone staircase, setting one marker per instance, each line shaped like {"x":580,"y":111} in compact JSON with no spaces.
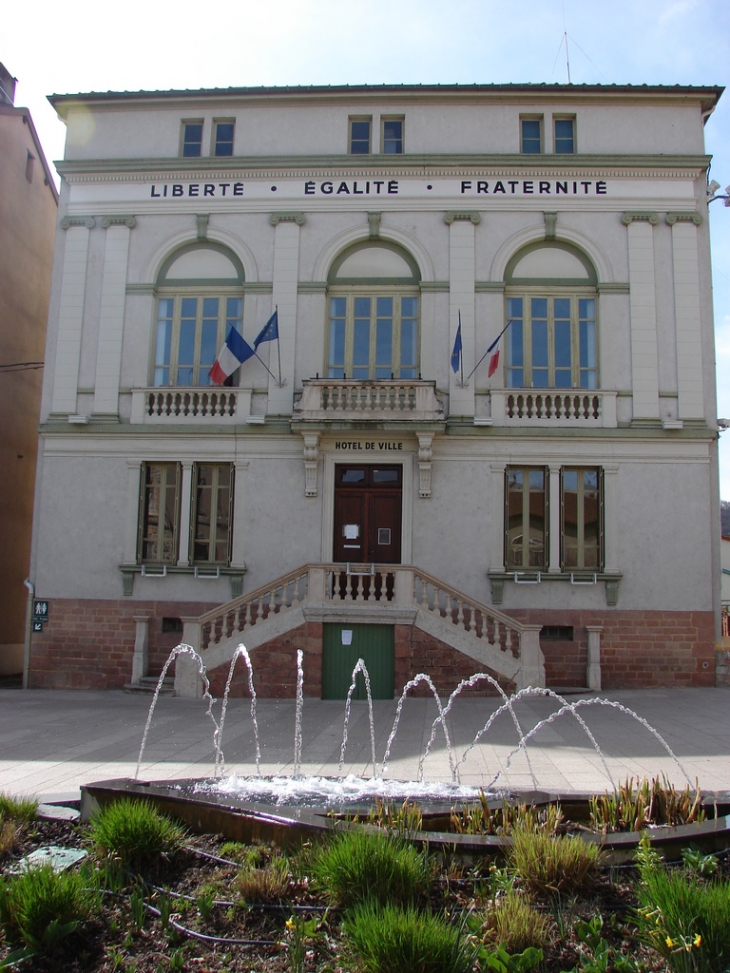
{"x":362,"y":593}
{"x":148,"y":684}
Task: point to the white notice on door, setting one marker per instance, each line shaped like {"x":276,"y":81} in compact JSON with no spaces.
{"x":351,"y":531}
{"x":347,"y":636}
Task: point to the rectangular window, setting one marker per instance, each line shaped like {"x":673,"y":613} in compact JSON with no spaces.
{"x":223,"y":144}
{"x":212,"y":514}
{"x":531,"y":134}
{"x":392,"y":136}
{"x":190,"y":332}
{"x":526,"y":518}
{"x":373,"y":337}
{"x":159,"y":513}
{"x":551,"y":342}
{"x":192,"y":139}
{"x":564,"y":135}
{"x":360,"y":136}
{"x":581,"y":518}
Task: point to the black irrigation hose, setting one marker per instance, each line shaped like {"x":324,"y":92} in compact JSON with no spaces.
{"x":191,"y":933}
{"x":262,"y":906}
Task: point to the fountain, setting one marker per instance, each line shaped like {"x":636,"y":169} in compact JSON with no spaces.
{"x":289,"y":808}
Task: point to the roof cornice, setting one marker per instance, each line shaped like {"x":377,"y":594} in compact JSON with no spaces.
{"x":683,"y":166}
{"x":706,"y":95}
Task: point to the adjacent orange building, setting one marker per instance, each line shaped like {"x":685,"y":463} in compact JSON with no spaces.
{"x":28,"y":211}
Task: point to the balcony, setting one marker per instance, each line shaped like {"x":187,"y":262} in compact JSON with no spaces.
{"x":552,"y":407}
{"x":347,"y":400}
{"x":191,"y":405}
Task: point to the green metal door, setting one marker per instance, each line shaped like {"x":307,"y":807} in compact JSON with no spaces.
{"x":374,"y":644}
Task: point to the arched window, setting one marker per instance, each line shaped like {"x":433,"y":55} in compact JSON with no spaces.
{"x":373,"y":330}
{"x":552,"y":338}
{"x":199,"y":299}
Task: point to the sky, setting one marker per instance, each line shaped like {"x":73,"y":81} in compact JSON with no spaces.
{"x":83,"y":45}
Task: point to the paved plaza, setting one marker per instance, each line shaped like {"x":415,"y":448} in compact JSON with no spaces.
{"x":52,"y":742}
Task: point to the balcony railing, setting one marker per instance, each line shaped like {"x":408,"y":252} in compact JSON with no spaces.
{"x":185,"y":405}
{"x":394,"y":399}
{"x":553,"y":407}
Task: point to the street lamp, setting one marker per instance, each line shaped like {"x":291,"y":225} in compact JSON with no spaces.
{"x":712,"y":193}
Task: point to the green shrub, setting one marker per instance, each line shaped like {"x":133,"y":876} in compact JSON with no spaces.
{"x":685,"y":919}
{"x":134,"y":832}
{"x":553,"y":866}
{"x":388,"y":939}
{"x":40,"y":907}
{"x":20,"y":810}
{"x":356,"y":866}
{"x":512,"y":922}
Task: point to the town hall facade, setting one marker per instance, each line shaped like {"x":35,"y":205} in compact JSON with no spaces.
{"x":479,"y":433}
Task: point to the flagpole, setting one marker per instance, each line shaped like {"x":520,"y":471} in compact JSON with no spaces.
{"x":278,"y":341}
{"x":265,"y":366}
{"x":490,"y":348}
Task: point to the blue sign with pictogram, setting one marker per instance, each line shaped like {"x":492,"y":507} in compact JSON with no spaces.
{"x":40,"y":610}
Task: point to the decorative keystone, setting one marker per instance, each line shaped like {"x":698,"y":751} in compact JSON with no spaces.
{"x":475,"y":218}
{"x":374,"y":221}
{"x":201,"y":219}
{"x":551,"y":222}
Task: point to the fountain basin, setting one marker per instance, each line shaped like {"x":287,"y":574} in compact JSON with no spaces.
{"x":213,"y":806}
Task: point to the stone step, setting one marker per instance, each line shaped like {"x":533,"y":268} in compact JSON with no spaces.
{"x":148,"y":684}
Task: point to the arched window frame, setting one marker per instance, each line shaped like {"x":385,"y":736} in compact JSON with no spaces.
{"x":373,"y":323}
{"x":552,"y":338}
{"x":193,"y":317}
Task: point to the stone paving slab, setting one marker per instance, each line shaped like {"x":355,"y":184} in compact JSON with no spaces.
{"x":52,"y":742}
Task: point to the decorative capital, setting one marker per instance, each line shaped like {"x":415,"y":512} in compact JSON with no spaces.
{"x":374,"y":221}
{"x":673,"y":218}
{"x":551,"y":222}
{"x":88,"y":221}
{"x":201,"y":220}
{"x":130,"y":221}
{"x":628,"y":218}
{"x":298,"y":218}
{"x":472,"y":217}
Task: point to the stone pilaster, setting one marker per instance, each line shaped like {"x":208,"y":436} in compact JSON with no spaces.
{"x":71,"y":314}
{"x":111,"y":316}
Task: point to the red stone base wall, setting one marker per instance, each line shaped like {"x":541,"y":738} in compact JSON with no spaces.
{"x":638,"y":649}
{"x":90,"y":645}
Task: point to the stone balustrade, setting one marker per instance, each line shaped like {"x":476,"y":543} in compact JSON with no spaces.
{"x":553,"y":407}
{"x":185,"y":405}
{"x":398,"y":399}
{"x":381,"y":591}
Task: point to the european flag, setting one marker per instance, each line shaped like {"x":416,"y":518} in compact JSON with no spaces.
{"x":456,"y":353}
{"x":270,"y":330}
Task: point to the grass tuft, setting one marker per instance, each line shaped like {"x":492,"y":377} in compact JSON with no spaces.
{"x":40,"y":907}
{"x":553,"y":866}
{"x":19,"y":810}
{"x":388,"y":939}
{"x":263,"y":885}
{"x":356,"y":866}
{"x":513,"y":923}
{"x":135,"y":833}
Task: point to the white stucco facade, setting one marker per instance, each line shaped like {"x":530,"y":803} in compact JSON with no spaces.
{"x":592,"y":253}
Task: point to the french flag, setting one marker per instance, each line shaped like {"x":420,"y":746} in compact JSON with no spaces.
{"x":234,"y":352}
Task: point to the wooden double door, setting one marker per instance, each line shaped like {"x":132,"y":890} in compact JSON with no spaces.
{"x":368,"y":514}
